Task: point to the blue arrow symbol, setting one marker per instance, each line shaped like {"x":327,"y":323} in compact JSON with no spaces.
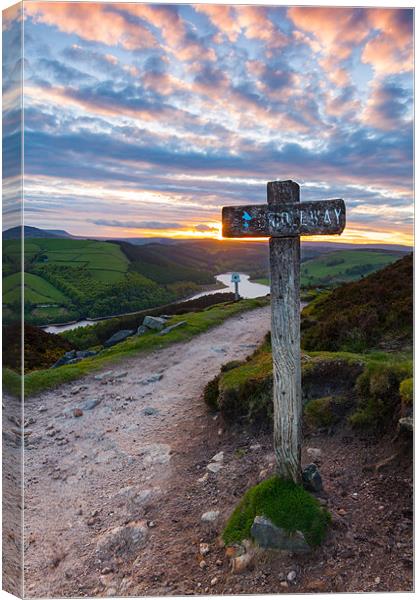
{"x":246,"y":217}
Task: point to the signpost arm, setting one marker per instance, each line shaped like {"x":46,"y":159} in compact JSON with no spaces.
{"x":285,"y":337}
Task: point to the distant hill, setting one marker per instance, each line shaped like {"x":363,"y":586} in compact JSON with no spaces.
{"x":375,"y":312}
{"x":34,"y":232}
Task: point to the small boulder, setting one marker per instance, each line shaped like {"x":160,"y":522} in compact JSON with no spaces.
{"x":156,"y":323}
{"x":90,"y":404}
{"x":172,"y":327}
{"x":311,"y":478}
{"x":85,"y":353}
{"x":406,"y":424}
{"x":210,"y":517}
{"x":268,"y":535}
{"x":118,"y":337}
{"x":142,"y":330}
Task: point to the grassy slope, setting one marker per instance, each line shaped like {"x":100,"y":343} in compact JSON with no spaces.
{"x":344,"y":265}
{"x":374,"y":312}
{"x":197,"y":322}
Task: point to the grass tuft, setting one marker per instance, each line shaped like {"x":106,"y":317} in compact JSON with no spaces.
{"x":286,"y":504}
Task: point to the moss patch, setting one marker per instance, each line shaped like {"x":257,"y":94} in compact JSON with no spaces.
{"x":286,"y":504}
{"x":378,"y":390}
{"x":319,"y":412}
{"x":406,"y":391}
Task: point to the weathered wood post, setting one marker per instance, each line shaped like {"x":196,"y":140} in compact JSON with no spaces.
{"x":283,"y":220}
{"x":285,"y":335}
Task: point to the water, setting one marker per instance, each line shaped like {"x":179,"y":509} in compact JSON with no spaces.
{"x":247,"y":289}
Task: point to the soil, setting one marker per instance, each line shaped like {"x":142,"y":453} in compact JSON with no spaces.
{"x":114,"y":497}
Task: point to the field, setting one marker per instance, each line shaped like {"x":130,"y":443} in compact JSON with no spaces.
{"x":344,"y":265}
{"x":66,"y":279}
{"x":341,"y":266}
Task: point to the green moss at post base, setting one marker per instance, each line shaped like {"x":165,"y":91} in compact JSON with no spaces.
{"x":286,"y":504}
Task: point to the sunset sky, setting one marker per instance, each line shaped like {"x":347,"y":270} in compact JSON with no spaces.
{"x":144,"y":120}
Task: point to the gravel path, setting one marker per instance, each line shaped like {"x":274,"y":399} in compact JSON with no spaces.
{"x":91,"y":479}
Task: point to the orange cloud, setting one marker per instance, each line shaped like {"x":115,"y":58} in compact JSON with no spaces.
{"x":337,"y":30}
{"x":172,"y":29}
{"x":222,"y":17}
{"x":91,"y":21}
{"x":391,"y":50}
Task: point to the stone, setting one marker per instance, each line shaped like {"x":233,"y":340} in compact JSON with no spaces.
{"x":42,"y":408}
{"x":102,"y":376}
{"x":85,"y":353}
{"x":210,"y":516}
{"x":314,"y":453}
{"x":152,"y":379}
{"x":218,"y":457}
{"x":214,"y":581}
{"x":291,"y":576}
{"x":202,"y":564}
{"x":77,"y":412}
{"x":203,"y":479}
{"x":204,"y":549}
{"x":150,"y":411}
{"x":214,"y":467}
{"x":406,"y":424}
{"x":90,"y":403}
{"x":118,"y":337}
{"x":172,"y":327}
{"x":142,"y":329}
{"x":156,"y":323}
{"x":122,"y":541}
{"x":311,"y":478}
{"x":241,"y":563}
{"x":268,"y":535}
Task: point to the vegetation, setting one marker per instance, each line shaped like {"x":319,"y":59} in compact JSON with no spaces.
{"x":406,"y":391}
{"x":319,"y":412}
{"x":41,"y":349}
{"x":372,"y":313}
{"x":286,"y":504}
{"x":343,"y":266}
{"x":197,"y":322}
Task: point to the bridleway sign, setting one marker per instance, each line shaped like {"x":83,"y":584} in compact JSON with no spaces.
{"x":284,"y":219}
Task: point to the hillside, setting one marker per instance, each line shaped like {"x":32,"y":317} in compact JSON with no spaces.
{"x":375,"y":312}
{"x":66,"y":279}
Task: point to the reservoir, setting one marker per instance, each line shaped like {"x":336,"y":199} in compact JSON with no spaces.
{"x":247,"y":289}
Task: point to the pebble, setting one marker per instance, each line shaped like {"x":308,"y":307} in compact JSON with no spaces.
{"x":214,"y":467}
{"x":210,"y":516}
{"x":77,"y":412}
{"x":213,"y":581}
{"x":203,"y":479}
{"x":42,"y":408}
{"x":377,"y":580}
{"x":218,"y":457}
{"x":314,"y":452}
{"x":204,"y":549}
{"x":291,"y":576}
{"x":342,"y":512}
{"x":284,"y":584}
{"x":106,"y":570}
{"x":151,"y":524}
{"x":202,"y":564}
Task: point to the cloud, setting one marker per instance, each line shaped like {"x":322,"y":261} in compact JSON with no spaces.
{"x":205,"y":228}
{"x":92,"y":21}
{"x":389,"y":106}
{"x":154,"y":225}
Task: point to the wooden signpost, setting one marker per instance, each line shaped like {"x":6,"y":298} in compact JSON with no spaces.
{"x":236,"y":278}
{"x":283,"y":220}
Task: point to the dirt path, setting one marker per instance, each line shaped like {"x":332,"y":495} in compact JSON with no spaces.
{"x":115,"y":497}
{"x":92,"y":479}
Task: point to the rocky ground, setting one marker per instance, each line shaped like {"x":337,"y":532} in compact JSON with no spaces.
{"x":129,"y":481}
